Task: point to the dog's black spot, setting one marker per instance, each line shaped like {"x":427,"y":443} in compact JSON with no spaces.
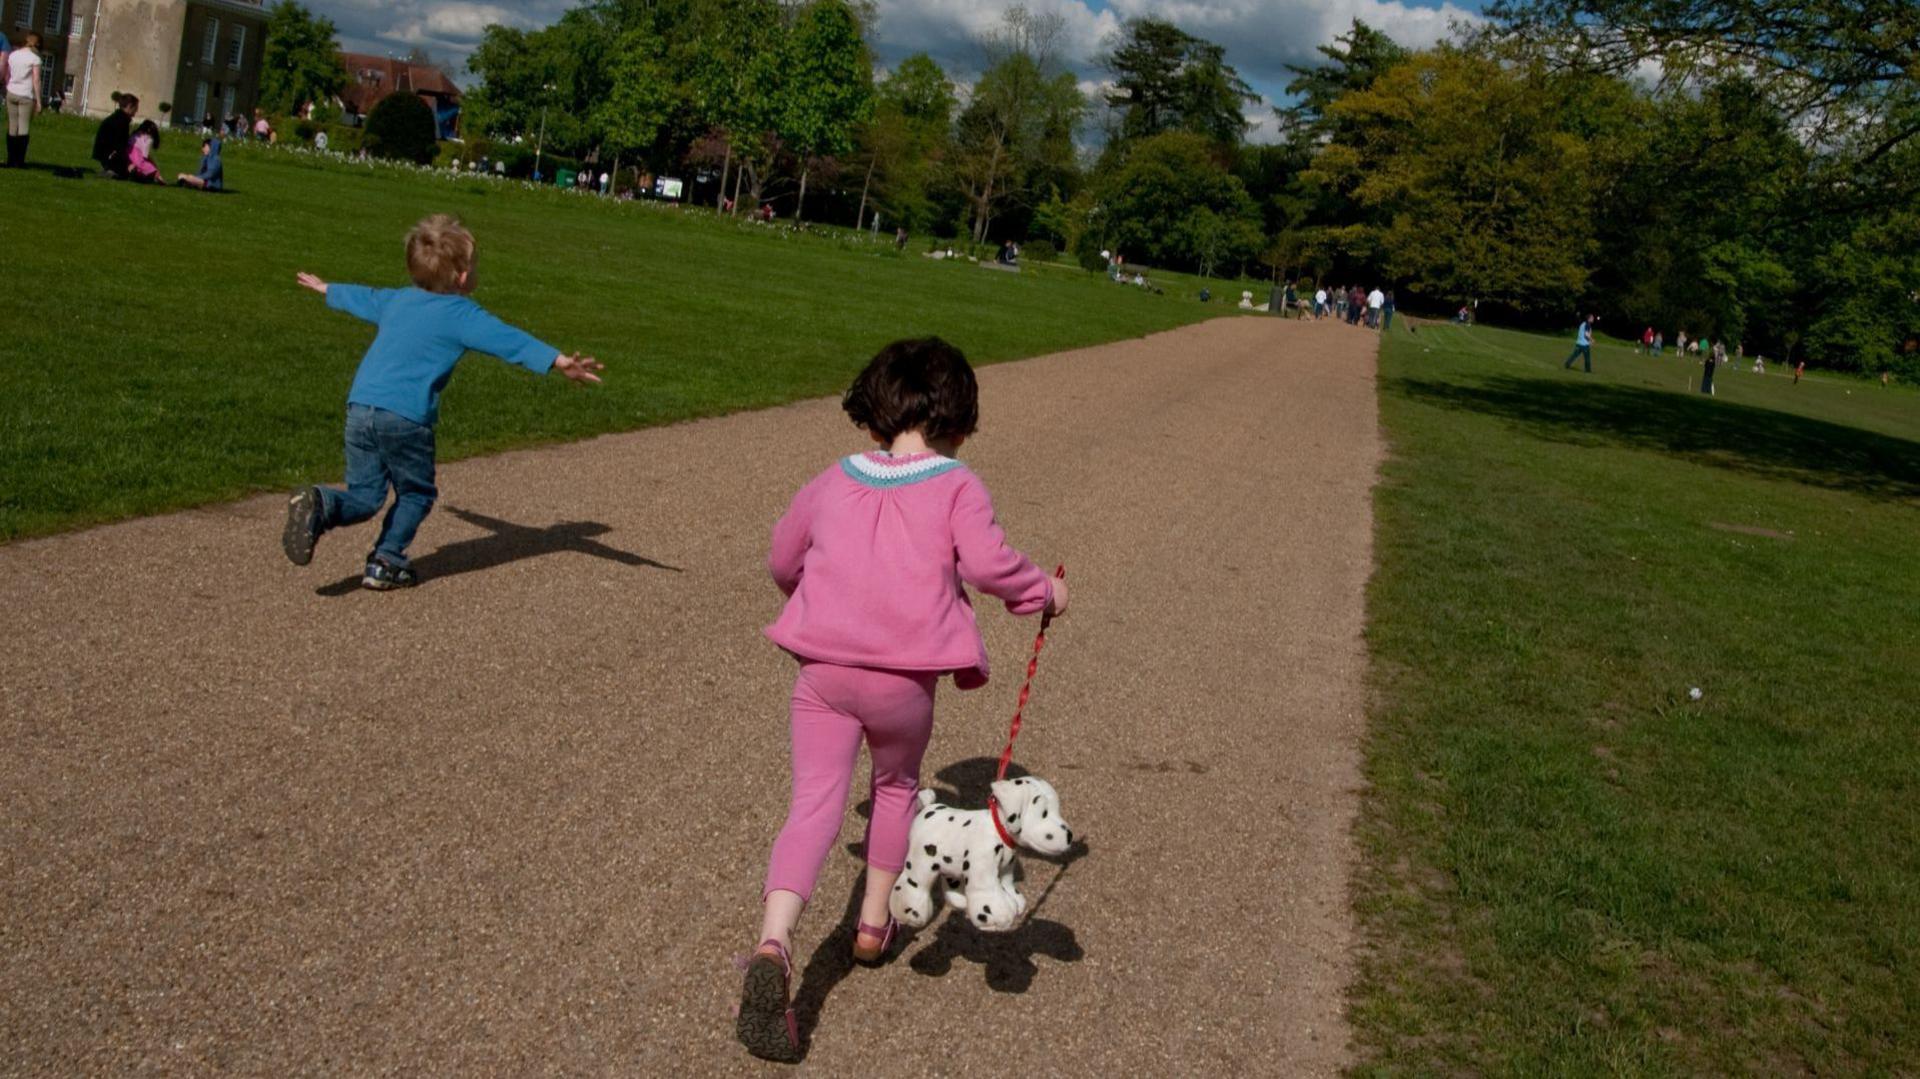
{"x":965,"y":863}
{"x":1043,"y":814}
{"x":966,"y":822}
{"x":1019,"y":782}
{"x":897,"y":887}
{"x":997,"y":848}
{"x":947,"y":858}
{"x":928,"y":815}
{"x":986,"y":910}
{"x":981,"y":917}
{"x":949,"y":818}
{"x":931,"y":849}
{"x":911,"y":883}
{"x":1049,"y":835}
{"x":1011,"y":817}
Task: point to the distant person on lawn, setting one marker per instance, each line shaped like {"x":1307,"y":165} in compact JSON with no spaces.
{"x":1583,"y":344}
{"x":140,"y":166}
{"x":395,"y":399}
{"x":115,"y":136}
{"x":25,"y":88}
{"x":212,"y":175}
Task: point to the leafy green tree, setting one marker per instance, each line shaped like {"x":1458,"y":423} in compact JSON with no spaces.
{"x":400,"y":127}
{"x":1465,"y":180}
{"x":300,"y":62}
{"x":905,"y":140}
{"x":640,"y":94}
{"x":1165,"y":79}
{"x":733,"y":71}
{"x":1354,"y":60}
{"x":1015,"y":137}
{"x":827,"y":89}
{"x":1169,"y":201}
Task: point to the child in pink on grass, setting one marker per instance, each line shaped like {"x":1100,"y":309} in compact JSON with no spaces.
{"x":872,"y":555}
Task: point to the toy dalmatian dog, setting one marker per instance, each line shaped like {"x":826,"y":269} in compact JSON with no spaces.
{"x":968,"y":855}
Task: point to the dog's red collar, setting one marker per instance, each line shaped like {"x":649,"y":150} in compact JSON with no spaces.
{"x":993,"y":813}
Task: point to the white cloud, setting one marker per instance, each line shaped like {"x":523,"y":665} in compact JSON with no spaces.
{"x":1261,"y":36}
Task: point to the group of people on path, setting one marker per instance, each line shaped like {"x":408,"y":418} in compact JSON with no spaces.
{"x":1373,"y":309}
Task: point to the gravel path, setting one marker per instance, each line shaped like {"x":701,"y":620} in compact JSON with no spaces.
{"x":515,"y":820}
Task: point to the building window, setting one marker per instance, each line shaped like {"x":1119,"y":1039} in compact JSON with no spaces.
{"x":199,"y":104}
{"x":23,"y":17}
{"x":210,"y":47}
{"x":227,"y":102}
{"x":56,"y":17}
{"x":237,"y":48}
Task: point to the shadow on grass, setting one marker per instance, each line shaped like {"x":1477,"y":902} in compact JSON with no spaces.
{"x":508,"y":542}
{"x":1740,"y":438}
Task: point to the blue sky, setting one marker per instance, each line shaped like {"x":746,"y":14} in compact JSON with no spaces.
{"x":1261,"y":36}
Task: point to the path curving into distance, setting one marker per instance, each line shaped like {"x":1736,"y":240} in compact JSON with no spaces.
{"x":516,"y":819}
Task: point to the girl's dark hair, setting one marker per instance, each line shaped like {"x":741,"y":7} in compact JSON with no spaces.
{"x":920,"y":385}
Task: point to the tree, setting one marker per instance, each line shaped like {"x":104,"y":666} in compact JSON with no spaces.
{"x":732,"y":66}
{"x":300,"y":63}
{"x":1168,"y":200}
{"x":905,"y":139}
{"x":1016,"y":134}
{"x":1165,"y":79}
{"x":1354,"y":61}
{"x":639,"y":97}
{"x":827,"y":89}
{"x":1465,"y":182}
{"x":400,"y":127}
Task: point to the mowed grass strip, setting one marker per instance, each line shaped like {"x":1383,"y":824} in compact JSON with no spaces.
{"x":1572,"y":868}
{"x":158,"y":354}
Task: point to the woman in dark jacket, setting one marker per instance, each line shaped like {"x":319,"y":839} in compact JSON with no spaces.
{"x":111,"y":141}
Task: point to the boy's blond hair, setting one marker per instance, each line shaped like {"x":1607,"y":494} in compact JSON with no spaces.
{"x":439,"y":251}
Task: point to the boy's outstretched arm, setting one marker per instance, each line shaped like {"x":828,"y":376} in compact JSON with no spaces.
{"x":357,"y":300}
{"x":483,"y":332}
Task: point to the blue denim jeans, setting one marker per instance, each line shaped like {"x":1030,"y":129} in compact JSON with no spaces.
{"x":384,"y":449}
{"x":1581,"y":352}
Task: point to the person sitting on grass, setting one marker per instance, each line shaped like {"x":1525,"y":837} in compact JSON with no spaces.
{"x":140,"y":166}
{"x":395,"y":399}
{"x":212,"y":176}
{"x":115,"y":135}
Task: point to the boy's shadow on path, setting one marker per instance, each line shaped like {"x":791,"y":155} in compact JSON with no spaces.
{"x":507,"y":542}
{"x":1007,"y":957}
{"x":1739,"y":438}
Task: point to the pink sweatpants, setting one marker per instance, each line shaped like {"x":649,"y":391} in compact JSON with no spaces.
{"x":833,"y":709}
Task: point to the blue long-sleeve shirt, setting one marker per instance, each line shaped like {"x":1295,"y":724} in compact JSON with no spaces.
{"x":422,"y":336}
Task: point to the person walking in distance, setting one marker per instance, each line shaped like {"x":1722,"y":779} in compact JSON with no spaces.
{"x":24,"y":73}
{"x":1582,"y":345}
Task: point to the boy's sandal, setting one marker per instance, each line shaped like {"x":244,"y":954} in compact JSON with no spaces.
{"x":766,"y":1025}
{"x":873,"y":956}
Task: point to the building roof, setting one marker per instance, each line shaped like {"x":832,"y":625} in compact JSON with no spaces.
{"x":370,"y":78}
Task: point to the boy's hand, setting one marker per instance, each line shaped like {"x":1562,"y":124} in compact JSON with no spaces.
{"x":579,"y":368}
{"x":307,"y":280}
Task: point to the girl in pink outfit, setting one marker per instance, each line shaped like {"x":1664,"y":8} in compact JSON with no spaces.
{"x":872,"y":555}
{"x":140,"y":166}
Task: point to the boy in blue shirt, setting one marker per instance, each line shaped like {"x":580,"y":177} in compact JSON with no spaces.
{"x":395,"y":399}
{"x":1583,"y":344}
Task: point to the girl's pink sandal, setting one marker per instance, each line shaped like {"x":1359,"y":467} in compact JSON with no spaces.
{"x":766,"y":1025}
{"x":874,"y":956}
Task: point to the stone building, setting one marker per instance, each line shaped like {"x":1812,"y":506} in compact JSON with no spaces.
{"x":197,"y":57}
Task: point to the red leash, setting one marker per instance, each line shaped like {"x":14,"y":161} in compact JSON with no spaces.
{"x":1019,"y":709}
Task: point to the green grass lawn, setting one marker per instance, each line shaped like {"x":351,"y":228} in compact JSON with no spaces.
{"x":159,"y":354}
{"x":1572,"y":868}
